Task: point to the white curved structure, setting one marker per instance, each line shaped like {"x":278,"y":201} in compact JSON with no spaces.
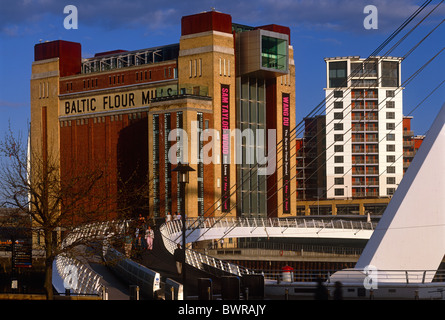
{"x":217,"y":228}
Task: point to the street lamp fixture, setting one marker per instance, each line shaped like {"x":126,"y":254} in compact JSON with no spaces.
{"x":183,"y":170}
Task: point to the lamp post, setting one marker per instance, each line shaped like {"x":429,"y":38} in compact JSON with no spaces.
{"x":183,"y":179}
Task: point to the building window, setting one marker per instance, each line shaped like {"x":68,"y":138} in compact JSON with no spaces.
{"x":390,"y":104}
{"x":338,"y":104}
{"x":390,"y":93}
{"x":338,"y":126}
{"x":274,"y":53}
{"x":167,"y":165}
{"x":338,"y":137}
{"x":338,"y":148}
{"x":391,"y":147}
{"x":191,"y":68}
{"x":390,"y":191}
{"x":390,"y":159}
{"x":339,"y":181}
{"x":337,"y":74}
{"x":390,"y":180}
{"x":338,"y":94}
{"x":390,"y":73}
{"x":390,"y":115}
{"x":390,"y":137}
{"x":200,"y":168}
{"x":338,"y":115}
{"x":390,"y":126}
{"x":251,"y":116}
{"x":391,"y":169}
{"x":338,"y":159}
{"x":338,"y":170}
{"x":339,"y":192}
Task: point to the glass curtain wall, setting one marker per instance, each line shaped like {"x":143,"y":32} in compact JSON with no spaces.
{"x":251,"y":120}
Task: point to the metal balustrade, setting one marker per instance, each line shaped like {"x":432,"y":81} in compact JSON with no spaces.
{"x":229,"y":224}
{"x":149,"y":281}
{"x":85,"y":280}
{"x":172,"y":231}
{"x":79,"y":278}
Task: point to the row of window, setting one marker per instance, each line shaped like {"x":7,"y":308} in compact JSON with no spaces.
{"x":83,"y":121}
{"x":43,"y":90}
{"x":341,"y":192}
{"x":341,"y":170}
{"x":195,"y":68}
{"x":367,"y":94}
{"x":224,"y":67}
{"x":369,"y":116}
{"x":119,"y":79}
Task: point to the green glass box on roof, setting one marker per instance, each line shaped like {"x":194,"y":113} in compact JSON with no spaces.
{"x":274,"y":53}
{"x":262,"y":53}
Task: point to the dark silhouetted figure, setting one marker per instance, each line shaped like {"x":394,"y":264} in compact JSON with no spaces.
{"x":321,"y":292}
{"x":338,"y":291}
{"x":179,"y":258}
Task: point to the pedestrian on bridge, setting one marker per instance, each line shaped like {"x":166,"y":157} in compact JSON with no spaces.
{"x":149,"y":237}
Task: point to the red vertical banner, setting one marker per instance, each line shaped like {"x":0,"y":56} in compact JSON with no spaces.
{"x":225,"y":148}
{"x":286,"y":152}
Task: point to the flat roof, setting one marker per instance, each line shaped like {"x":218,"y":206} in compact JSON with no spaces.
{"x":362,"y":59}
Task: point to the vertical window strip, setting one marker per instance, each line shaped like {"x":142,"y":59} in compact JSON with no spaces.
{"x":200,"y":170}
{"x":178,"y":187}
{"x":167,"y":164}
{"x":156,"y":199}
{"x":191,"y":68}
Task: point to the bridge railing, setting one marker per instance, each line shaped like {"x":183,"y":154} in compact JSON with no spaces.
{"x":148,"y":280}
{"x":212,"y":222}
{"x":172,"y":230}
{"x":84,"y":280}
{"x":175,"y":226}
{"x":358,"y":276}
{"x":78,"y":277}
{"x":197,"y":259}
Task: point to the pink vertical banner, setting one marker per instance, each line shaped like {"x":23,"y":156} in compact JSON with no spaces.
{"x":286,"y":152}
{"x":225,"y":147}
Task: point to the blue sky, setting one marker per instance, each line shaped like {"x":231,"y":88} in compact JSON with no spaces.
{"x":319,"y":29}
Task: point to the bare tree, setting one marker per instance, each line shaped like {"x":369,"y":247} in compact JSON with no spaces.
{"x":56,"y":199}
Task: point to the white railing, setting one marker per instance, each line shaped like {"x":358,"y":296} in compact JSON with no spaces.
{"x":202,"y":261}
{"x":357,"y":276}
{"x":77,"y":276}
{"x":228,"y":225}
{"x":172,"y":230}
{"x":92,"y":231}
{"x":149,"y":281}
{"x":84,"y":280}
